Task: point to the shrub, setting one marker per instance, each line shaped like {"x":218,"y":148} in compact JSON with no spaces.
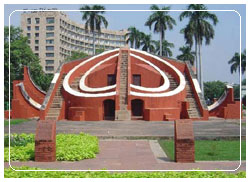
{"x":9,"y":173}
{"x":73,"y":147}
{"x":69,"y":147}
{"x":18,"y":139}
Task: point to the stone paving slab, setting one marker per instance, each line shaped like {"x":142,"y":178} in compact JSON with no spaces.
{"x":130,"y":155}
{"x":126,"y":129}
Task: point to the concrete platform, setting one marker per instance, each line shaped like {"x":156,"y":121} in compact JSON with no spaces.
{"x":213,"y":129}
{"x":132,"y":155}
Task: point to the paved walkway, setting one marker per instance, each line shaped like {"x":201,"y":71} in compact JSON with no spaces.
{"x":139,"y":129}
{"x":132,"y":155}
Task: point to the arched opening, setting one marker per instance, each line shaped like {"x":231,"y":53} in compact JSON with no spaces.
{"x":137,"y":108}
{"x":109,"y":109}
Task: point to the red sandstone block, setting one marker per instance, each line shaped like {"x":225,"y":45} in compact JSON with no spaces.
{"x":45,"y":141}
{"x":184,"y":141}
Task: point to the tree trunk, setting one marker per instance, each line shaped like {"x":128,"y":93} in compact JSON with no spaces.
{"x":93,"y":42}
{"x":197,"y":62}
{"x":161,"y":43}
{"x":200,"y":69}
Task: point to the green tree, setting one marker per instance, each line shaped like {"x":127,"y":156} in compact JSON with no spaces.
{"x":134,"y":36}
{"x":15,"y":33}
{"x":93,"y":19}
{"x":99,"y":51}
{"x":161,"y":21}
{"x":76,"y":55}
{"x":213,"y":89}
{"x":199,"y":28}
{"x":166,"y":48}
{"x":147,"y":43}
{"x":235,"y":62}
{"x":20,"y":55}
{"x":236,"y":91}
{"x":187,"y":54}
{"x":243,"y":82}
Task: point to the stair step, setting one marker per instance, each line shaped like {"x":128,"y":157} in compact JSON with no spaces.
{"x":50,"y":118}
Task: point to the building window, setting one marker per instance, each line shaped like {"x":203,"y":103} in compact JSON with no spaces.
{"x":49,"y":54}
{"x":36,"y":27}
{"x":28,"y":41}
{"x":49,"y":62}
{"x":49,"y":68}
{"x":50,"y":41}
{"x":37,"y":20}
{"x":36,"y":34}
{"x":28,"y":35}
{"x":36,"y":41}
{"x":28,"y":28}
{"x":37,"y":54}
{"x":50,"y":34}
{"x":111,"y":79}
{"x":50,"y":28}
{"x":50,"y":48}
{"x":50,"y":20}
{"x":137,"y":80}
{"x":36,"y":48}
{"x":28,"y":20}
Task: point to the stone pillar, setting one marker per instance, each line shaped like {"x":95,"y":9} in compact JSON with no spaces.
{"x":184,"y":141}
{"x":45,"y":141}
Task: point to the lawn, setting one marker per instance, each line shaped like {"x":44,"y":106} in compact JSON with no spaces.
{"x":14,"y":121}
{"x":9,"y":173}
{"x":210,"y":150}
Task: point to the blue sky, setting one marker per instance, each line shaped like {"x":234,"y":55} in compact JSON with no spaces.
{"x":215,"y":56}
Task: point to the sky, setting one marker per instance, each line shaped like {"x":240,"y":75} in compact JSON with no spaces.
{"x":215,"y":56}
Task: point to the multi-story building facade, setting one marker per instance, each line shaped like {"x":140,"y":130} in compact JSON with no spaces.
{"x":52,"y":36}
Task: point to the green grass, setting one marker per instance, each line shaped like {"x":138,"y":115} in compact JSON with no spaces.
{"x":209,"y":150}
{"x":9,"y":173}
{"x":14,"y":121}
{"x":69,"y":147}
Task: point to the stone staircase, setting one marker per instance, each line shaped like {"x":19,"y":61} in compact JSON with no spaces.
{"x":173,"y":83}
{"x":123,"y":113}
{"x":56,"y":104}
{"x":75,"y":84}
{"x":193,"y":110}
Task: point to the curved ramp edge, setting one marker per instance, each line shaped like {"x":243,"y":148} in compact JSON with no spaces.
{"x":27,"y":97}
{"x":220,"y":100}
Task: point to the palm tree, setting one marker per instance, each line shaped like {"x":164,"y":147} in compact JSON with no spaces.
{"x":93,"y":19}
{"x":147,"y":43}
{"x":134,"y":37}
{"x":166,"y":51}
{"x":199,"y":28}
{"x":188,"y":32}
{"x":162,"y":21}
{"x":235,"y":62}
{"x":187,"y":54}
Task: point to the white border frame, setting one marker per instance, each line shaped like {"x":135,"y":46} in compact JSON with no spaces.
{"x":128,"y":11}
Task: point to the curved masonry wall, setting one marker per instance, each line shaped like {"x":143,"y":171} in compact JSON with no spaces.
{"x":86,"y":102}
